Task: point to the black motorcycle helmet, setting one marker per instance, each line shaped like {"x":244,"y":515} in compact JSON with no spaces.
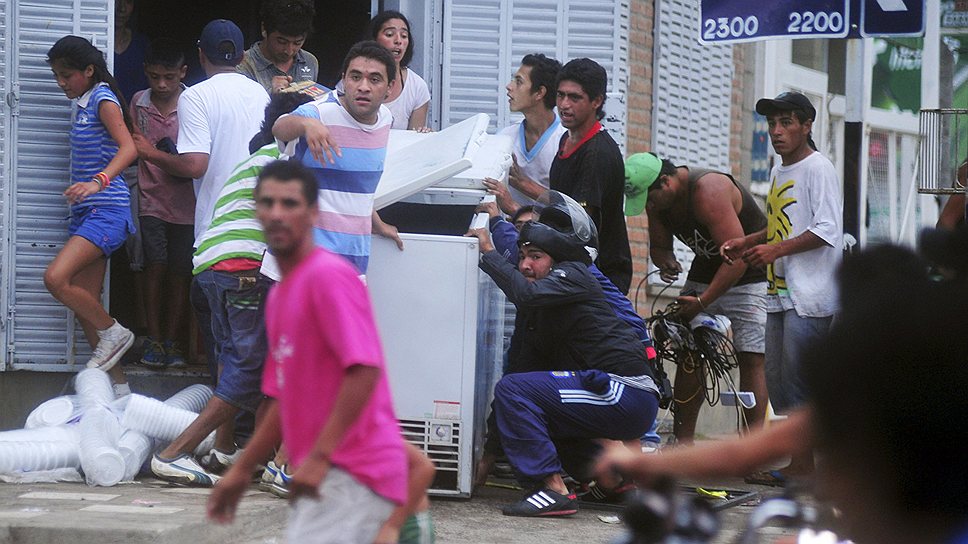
{"x":562,"y":229}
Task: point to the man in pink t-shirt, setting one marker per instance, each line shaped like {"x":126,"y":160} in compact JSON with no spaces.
{"x":325,"y":379}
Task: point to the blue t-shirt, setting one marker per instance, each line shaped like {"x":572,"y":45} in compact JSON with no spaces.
{"x":92,"y":148}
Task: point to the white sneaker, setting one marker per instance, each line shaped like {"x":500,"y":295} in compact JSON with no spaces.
{"x":182,"y":470}
{"x":113,"y":342}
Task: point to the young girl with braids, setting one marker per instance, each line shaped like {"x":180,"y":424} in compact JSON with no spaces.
{"x":100,"y":220}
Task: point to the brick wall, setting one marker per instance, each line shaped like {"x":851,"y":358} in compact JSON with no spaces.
{"x":642,"y":18}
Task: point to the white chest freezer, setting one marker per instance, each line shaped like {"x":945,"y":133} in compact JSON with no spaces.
{"x":440,"y":318}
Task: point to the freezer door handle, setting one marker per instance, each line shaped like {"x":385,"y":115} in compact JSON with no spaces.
{"x":480,"y":221}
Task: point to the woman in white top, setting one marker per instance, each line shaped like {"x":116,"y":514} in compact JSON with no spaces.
{"x":409,"y":97}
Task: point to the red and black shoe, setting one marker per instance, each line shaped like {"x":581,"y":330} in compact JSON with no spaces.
{"x":543,"y":502}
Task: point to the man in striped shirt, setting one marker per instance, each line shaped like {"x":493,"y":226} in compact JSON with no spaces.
{"x":342,"y":138}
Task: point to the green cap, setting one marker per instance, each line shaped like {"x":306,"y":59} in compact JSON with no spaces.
{"x":641,"y":171}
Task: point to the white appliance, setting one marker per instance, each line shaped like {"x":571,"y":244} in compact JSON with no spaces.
{"x":440,"y":318}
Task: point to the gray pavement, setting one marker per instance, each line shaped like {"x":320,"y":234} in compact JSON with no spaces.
{"x":152,"y":511}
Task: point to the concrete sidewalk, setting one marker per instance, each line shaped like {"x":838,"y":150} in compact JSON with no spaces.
{"x":153,"y":511}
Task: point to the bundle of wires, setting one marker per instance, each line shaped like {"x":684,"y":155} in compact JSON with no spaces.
{"x":700,"y":348}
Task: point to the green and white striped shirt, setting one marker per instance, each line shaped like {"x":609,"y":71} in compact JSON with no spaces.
{"x":234,"y":231}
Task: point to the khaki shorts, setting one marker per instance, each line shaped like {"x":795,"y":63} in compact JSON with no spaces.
{"x":745,"y":306}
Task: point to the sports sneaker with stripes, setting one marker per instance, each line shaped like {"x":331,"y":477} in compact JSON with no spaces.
{"x":543,"y":502}
{"x":183,"y":470}
{"x":280,"y":484}
{"x":268,"y":475}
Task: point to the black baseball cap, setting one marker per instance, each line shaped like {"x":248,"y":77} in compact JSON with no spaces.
{"x":787,"y":101}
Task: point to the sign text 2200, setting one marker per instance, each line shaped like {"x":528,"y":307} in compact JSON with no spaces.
{"x":806,"y":22}
{"x":809,"y":22}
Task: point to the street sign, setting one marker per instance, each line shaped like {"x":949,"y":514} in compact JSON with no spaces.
{"x":730,"y":21}
{"x":891,"y":18}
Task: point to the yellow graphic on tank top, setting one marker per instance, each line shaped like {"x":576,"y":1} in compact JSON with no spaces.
{"x":778,"y":228}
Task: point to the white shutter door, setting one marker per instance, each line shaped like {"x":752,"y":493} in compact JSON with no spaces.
{"x":485,"y":40}
{"x":5,"y":120}
{"x":473,"y":71}
{"x":599,"y":30}
{"x":44,"y":331}
{"x":693,"y":84}
{"x":691,"y":96}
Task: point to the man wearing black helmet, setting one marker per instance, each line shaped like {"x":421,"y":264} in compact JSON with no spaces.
{"x":801,"y":248}
{"x":597,"y":383}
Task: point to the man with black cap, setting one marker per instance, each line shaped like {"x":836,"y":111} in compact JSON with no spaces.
{"x":703,"y":208}
{"x":801,"y":248}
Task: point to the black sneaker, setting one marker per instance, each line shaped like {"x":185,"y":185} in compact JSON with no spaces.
{"x":596,"y":498}
{"x":543,"y":502}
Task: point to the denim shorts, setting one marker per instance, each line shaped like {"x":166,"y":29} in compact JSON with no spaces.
{"x":168,"y":243}
{"x":107,"y":227}
{"x":745,"y":306}
{"x":237,"y":304}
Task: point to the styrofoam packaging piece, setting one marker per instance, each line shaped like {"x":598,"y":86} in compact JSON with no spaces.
{"x":60,"y":433}
{"x":100,"y":459}
{"x":119,"y":405}
{"x":155,"y":418}
{"x":56,"y":411}
{"x":135,"y":448}
{"x":94,"y":388}
{"x":193,"y":398}
{"x":33,"y":456}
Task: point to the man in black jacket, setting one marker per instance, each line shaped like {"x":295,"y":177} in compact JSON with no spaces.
{"x":588,"y":377}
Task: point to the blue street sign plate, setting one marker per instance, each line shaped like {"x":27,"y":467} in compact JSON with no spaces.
{"x":727,"y":21}
{"x":891,"y":18}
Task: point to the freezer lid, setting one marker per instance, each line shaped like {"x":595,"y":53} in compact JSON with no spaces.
{"x":429,"y":159}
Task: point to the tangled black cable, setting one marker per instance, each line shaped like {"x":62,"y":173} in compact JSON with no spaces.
{"x":704,"y":350}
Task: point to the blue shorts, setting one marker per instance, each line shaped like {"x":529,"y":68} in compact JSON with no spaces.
{"x":107,"y":227}
{"x":237,"y":305}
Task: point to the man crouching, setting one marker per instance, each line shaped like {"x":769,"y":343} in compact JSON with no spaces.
{"x":597,"y":383}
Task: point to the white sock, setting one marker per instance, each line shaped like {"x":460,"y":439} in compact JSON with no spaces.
{"x":113,"y":325}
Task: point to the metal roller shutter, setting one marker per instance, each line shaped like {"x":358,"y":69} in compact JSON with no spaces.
{"x":692,"y":91}
{"x":691,"y":97}
{"x":486,"y":39}
{"x":44,"y":335}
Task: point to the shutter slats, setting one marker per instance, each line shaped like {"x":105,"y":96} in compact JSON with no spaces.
{"x":43,"y":331}
{"x":5,"y":122}
{"x":691,"y":97}
{"x":486,"y":41}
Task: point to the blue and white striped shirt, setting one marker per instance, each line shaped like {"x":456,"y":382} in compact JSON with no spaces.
{"x":92,"y":148}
